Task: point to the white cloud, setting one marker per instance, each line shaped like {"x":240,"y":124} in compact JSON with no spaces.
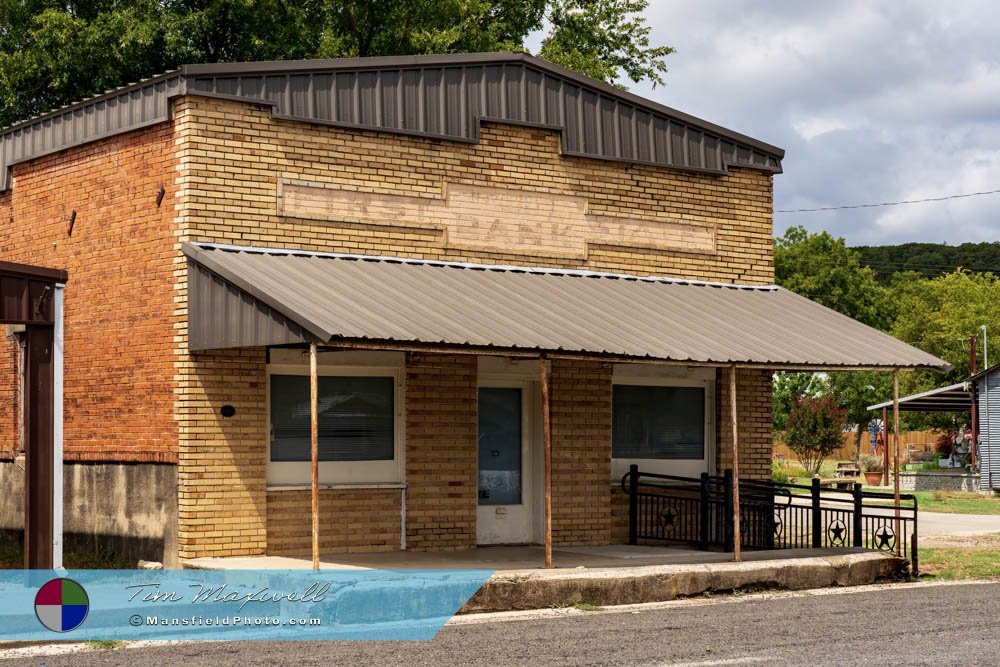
{"x":813,"y":126}
{"x":873,"y":101}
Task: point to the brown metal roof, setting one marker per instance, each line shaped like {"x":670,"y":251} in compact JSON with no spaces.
{"x":331,"y":298}
{"x":435,"y":96}
{"x":953,"y":398}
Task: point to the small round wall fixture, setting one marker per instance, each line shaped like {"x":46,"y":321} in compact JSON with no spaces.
{"x":227,"y":411}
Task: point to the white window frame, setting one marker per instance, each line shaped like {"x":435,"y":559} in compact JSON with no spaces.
{"x":679,"y":467}
{"x":299,"y":473}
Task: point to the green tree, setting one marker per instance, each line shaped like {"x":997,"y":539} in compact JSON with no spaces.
{"x":395,"y":27}
{"x":815,"y":429}
{"x":824,"y":269}
{"x":54,"y":53}
{"x":604,"y":39}
{"x":939,"y":316}
{"x":790,"y":387}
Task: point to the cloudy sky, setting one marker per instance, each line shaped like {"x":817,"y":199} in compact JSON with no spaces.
{"x":872,"y":101}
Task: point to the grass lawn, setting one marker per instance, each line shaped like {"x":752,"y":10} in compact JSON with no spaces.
{"x":952,"y":502}
{"x":960,"y":563}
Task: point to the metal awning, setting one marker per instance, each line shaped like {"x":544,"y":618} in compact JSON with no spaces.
{"x":953,"y":398}
{"x":244,"y":297}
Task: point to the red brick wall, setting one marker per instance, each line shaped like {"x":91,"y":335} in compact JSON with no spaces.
{"x":120,"y":296}
{"x":441,"y":467}
{"x":9,"y":438}
{"x":580,"y":400}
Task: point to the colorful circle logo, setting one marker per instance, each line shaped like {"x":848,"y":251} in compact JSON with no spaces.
{"x":61,"y":605}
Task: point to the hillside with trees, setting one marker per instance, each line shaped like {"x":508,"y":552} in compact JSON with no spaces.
{"x":929,"y":259}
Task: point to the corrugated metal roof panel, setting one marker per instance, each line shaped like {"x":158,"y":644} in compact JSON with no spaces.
{"x":336,"y":297}
{"x":953,"y":398}
{"x":443,"y":97}
{"x":989,"y":428}
{"x":129,"y":108}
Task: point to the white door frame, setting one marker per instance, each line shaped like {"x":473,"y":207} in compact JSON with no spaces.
{"x":516,"y":524}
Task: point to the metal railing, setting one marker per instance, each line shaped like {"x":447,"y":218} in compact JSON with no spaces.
{"x":699,"y":511}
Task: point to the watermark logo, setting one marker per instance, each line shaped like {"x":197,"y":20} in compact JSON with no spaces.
{"x":61,"y":605}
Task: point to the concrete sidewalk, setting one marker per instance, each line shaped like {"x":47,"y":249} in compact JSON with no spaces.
{"x":609,"y":575}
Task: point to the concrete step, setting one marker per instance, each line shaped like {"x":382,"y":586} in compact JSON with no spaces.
{"x":538,"y":589}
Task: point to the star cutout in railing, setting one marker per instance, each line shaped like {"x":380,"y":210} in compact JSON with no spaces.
{"x":884,"y":539}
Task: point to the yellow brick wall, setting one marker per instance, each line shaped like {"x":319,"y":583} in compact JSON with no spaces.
{"x":233,"y":156}
{"x":221,"y":461}
{"x":350,"y":520}
{"x":232,"y":159}
{"x":581,"y":452}
{"x":441,"y":452}
{"x":753,"y":418}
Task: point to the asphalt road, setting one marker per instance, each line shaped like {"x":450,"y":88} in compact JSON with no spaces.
{"x":915,"y":625}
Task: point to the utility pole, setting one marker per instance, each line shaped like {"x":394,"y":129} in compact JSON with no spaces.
{"x":974,"y":422}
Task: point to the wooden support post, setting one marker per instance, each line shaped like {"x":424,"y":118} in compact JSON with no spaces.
{"x":885,"y":446}
{"x":895,"y":462}
{"x":737,"y":538}
{"x":543,"y":374}
{"x":314,"y":437}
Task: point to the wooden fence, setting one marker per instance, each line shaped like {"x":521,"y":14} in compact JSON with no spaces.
{"x":910,"y":441}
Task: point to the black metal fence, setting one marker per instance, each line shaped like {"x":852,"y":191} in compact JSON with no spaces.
{"x":699,"y":511}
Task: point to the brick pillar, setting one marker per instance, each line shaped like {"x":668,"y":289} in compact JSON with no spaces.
{"x":441,"y":473}
{"x":581,"y":452}
{"x":221,"y":464}
{"x":754,"y":404}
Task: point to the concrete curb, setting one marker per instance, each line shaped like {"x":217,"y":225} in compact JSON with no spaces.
{"x":522,"y":590}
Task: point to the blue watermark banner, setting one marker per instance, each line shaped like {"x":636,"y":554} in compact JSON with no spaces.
{"x":232,"y":604}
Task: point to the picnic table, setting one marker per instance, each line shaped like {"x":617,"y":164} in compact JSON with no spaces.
{"x":844,"y":483}
{"x":847,"y":470}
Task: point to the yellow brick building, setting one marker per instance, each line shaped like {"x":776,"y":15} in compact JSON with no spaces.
{"x":401,"y":174}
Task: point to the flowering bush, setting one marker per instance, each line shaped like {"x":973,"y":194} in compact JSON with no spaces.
{"x":943,"y":446}
{"x":815,"y":430}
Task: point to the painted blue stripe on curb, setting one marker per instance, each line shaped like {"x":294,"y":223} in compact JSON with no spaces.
{"x":246,"y":604}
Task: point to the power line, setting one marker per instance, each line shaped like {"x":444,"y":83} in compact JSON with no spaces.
{"x":944,"y":267}
{"x":888,"y":203}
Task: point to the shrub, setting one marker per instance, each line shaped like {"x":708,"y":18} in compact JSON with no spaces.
{"x":871,"y":463}
{"x":815,"y":430}
{"x":779,"y":471}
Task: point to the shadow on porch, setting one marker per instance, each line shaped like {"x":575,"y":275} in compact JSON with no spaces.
{"x":513,"y":558}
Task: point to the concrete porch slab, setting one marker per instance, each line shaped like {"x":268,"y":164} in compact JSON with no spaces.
{"x":482,"y":558}
{"x":609,"y":575}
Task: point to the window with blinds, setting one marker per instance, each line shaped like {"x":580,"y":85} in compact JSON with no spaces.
{"x":655,"y":422}
{"x":355,"y":418}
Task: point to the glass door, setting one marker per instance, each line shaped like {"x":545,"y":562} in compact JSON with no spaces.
{"x":504,"y":515}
